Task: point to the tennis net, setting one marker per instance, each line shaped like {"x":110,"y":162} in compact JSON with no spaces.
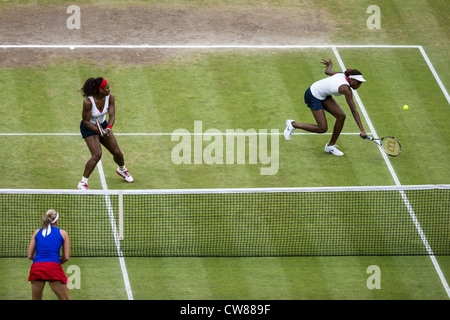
{"x":407,"y":220}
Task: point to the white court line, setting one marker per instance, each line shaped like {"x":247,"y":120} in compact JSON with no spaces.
{"x":115,"y":233}
{"x":397,"y":182}
{"x":179,"y":134}
{"x":193,"y":46}
{"x":433,"y":71}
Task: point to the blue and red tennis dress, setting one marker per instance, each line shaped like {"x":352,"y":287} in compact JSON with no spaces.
{"x":46,"y":263}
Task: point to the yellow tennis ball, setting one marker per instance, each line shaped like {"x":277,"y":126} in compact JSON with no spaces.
{"x":405,"y":107}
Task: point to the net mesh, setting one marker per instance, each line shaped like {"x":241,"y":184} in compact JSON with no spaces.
{"x":312,"y":222}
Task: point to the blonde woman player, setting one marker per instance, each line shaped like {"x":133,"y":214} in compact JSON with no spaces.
{"x":44,"y":249}
{"x":98,"y":101}
{"x":318,"y":97}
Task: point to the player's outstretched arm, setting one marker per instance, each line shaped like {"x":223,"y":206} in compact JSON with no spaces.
{"x":329,"y":65}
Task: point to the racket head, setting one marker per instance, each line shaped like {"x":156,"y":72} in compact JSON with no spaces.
{"x":101,"y":132}
{"x":391,"y":146}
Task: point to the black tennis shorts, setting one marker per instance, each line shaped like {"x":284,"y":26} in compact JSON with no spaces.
{"x":86,"y":132}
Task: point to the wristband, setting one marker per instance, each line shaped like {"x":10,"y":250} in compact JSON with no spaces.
{"x":109,"y":127}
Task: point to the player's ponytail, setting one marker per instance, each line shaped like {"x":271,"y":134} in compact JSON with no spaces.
{"x":48,"y":218}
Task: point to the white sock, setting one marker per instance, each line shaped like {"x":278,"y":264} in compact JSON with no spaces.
{"x":85,"y":180}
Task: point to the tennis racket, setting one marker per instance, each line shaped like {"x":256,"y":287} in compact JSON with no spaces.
{"x":388,"y":144}
{"x":101,"y":132}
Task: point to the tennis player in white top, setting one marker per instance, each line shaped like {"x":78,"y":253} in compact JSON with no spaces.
{"x":319,"y":97}
{"x":99,"y":101}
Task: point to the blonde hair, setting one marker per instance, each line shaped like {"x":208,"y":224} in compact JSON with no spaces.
{"x":48,"y":218}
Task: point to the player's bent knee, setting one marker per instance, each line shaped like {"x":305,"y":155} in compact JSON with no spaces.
{"x":96,"y":156}
{"x":118,"y":154}
{"x":322,"y":129}
{"x":340,"y":116}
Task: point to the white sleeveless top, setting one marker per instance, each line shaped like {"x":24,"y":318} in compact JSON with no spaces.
{"x":328,"y":86}
{"x":95,"y":113}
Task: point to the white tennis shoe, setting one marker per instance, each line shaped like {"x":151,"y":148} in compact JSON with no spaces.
{"x":333,"y":150}
{"x":82,"y":186}
{"x":125,"y":175}
{"x":289,"y":129}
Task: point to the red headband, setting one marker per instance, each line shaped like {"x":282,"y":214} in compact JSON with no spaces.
{"x":104,"y":82}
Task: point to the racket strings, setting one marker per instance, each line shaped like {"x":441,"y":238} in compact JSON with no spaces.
{"x":391,"y":146}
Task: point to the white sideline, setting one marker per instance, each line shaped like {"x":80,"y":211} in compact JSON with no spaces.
{"x":397,"y":183}
{"x":433,"y":71}
{"x":115,"y":233}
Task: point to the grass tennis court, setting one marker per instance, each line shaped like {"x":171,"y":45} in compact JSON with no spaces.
{"x":235,"y":88}
{"x":249,"y":99}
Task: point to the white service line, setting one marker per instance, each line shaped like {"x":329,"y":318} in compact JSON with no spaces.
{"x":227,"y":133}
{"x":194,"y":46}
{"x":176,"y":133}
{"x":115,"y":233}
{"x":397,"y":183}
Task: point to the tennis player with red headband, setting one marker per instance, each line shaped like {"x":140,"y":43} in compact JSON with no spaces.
{"x":97,"y":103}
{"x":318,"y":97}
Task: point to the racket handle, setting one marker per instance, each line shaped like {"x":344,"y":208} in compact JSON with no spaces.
{"x":370,"y":138}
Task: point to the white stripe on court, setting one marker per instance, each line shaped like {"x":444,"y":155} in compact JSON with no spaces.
{"x":115,"y":233}
{"x":178,"y":134}
{"x":433,"y":71}
{"x":397,"y":183}
{"x":194,"y":46}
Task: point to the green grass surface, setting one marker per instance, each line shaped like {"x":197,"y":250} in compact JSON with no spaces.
{"x":307,"y":278}
{"x":228,"y":91}
{"x":236,"y":94}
